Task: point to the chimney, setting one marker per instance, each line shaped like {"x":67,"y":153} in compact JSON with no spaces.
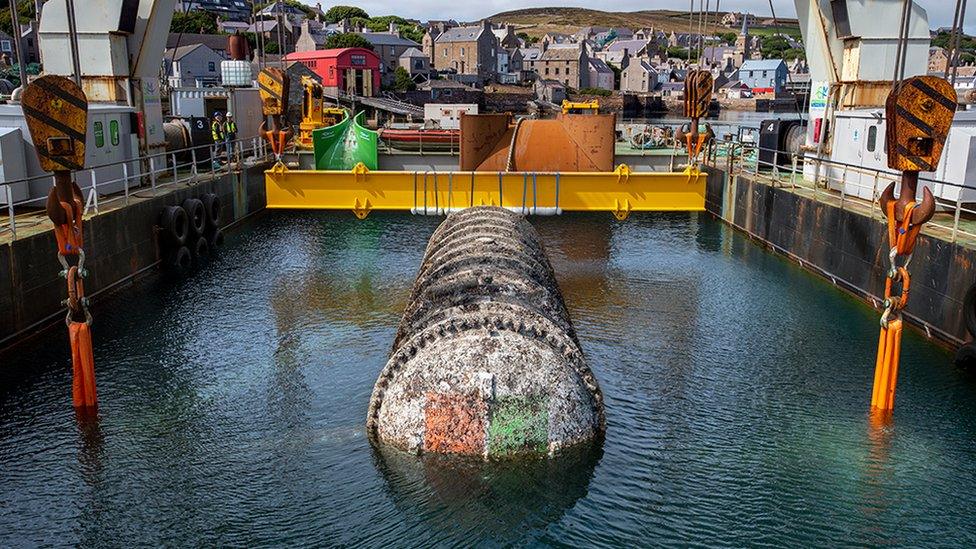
{"x":393,"y":29}
{"x":486,"y":24}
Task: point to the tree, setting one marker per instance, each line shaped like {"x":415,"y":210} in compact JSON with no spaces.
{"x":25,"y":10}
{"x":347,"y":40}
{"x":526,"y":38}
{"x":402,"y":81}
{"x":729,"y":37}
{"x":679,"y":52}
{"x":194,"y":21}
{"x":338,"y":13}
{"x":271,"y":47}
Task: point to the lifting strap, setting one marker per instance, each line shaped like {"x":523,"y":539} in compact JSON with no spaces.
{"x":901,"y":239}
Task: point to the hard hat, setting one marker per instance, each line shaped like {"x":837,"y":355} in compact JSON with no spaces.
{"x":216,"y":114}
{"x":229,"y":114}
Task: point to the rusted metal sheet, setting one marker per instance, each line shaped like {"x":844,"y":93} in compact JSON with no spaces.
{"x":273,"y":88}
{"x":570,"y":143}
{"x":481,"y":136}
{"x":919,"y":113}
{"x":56,"y":110}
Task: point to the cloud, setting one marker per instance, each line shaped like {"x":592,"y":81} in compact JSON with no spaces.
{"x":940,"y":11}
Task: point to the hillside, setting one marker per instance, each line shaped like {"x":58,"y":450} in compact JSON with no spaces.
{"x":538,"y":21}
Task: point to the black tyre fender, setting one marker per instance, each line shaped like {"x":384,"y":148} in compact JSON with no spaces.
{"x":178,"y":260}
{"x":211,"y":205}
{"x":969,"y":310}
{"x":201,"y":250}
{"x":966,"y":356}
{"x":175,"y":225}
{"x":215,"y":237}
{"x":196,"y":215}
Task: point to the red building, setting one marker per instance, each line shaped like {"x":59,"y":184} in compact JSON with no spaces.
{"x":351,"y":70}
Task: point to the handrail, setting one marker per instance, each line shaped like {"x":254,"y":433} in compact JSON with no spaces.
{"x":142,"y":173}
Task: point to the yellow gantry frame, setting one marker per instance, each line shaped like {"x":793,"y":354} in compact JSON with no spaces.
{"x":433,"y":193}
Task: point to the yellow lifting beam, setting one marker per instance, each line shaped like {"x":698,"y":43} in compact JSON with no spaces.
{"x":435,"y":193}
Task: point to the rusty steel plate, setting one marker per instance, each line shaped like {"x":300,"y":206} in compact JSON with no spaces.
{"x":56,"y":110}
{"x":919,"y":115}
{"x":698,"y":93}
{"x":273,"y":87}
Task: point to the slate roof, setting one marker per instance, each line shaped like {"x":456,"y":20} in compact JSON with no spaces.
{"x":413,"y":52}
{"x":761,"y":65}
{"x":461,"y":34}
{"x":560,"y":54}
{"x":384,"y":39}
{"x":632,"y":46}
{"x":216,"y":42}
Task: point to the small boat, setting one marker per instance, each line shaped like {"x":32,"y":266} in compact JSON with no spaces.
{"x":418,"y":139}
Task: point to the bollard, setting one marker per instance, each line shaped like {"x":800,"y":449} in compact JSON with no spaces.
{"x":485,"y":361}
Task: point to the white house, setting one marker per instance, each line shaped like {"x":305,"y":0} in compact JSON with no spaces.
{"x":195,"y":65}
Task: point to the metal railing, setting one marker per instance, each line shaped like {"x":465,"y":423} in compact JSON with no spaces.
{"x":844,"y":183}
{"x":131,"y":177}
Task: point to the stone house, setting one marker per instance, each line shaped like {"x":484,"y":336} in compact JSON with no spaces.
{"x":601,"y":75}
{"x":938,"y":59}
{"x":469,"y":51}
{"x":638,"y":77}
{"x":506,"y":37}
{"x":566,"y":64}
{"x":389,"y":46}
{"x":416,"y":63}
{"x":552,"y":91}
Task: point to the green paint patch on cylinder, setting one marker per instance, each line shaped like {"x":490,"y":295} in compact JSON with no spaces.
{"x":519,"y":424}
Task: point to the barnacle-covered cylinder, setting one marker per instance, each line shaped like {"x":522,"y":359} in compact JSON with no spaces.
{"x":485,"y":361}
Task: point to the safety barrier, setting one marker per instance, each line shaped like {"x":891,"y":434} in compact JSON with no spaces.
{"x":437,"y":193}
{"x":149,"y":173}
{"x":744,"y":158}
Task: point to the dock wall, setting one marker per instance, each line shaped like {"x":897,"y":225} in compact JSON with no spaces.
{"x":849,"y":249}
{"x":120,"y":244}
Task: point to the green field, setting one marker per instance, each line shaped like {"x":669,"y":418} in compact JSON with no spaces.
{"x":769,"y":31}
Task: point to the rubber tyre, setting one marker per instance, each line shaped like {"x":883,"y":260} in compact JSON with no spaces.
{"x":175,"y":225}
{"x":178,"y":260}
{"x":196,"y":214}
{"x":966,"y":357}
{"x":969,"y":310}
{"x":201,"y":251}
{"x":211,"y":205}
{"x":215,"y":237}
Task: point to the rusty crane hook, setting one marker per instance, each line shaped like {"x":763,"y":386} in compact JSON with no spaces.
{"x":909,"y":186}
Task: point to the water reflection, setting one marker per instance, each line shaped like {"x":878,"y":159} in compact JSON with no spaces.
{"x":494,"y":501}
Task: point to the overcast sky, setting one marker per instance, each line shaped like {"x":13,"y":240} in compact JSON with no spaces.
{"x":940,"y":11}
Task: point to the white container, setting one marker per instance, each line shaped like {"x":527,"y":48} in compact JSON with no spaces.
{"x":235,"y":73}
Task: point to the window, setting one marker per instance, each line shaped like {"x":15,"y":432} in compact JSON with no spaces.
{"x":5,"y":45}
{"x":445,"y":52}
{"x":357,"y":59}
{"x":547,"y":71}
{"x":462,"y":50}
{"x":99,"y":135}
{"x":557,"y":71}
{"x":872,"y":138}
{"x":113,"y":131}
{"x":211,"y":66}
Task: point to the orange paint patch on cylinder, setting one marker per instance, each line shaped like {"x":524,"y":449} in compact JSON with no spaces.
{"x":455,"y":424}
{"x":83,"y":366}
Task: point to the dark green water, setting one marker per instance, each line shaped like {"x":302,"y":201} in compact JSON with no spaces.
{"x":233,"y":404}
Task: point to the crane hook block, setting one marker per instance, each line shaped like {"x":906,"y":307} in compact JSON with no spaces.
{"x":698,"y":93}
{"x":919,"y":113}
{"x":273,"y":88}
